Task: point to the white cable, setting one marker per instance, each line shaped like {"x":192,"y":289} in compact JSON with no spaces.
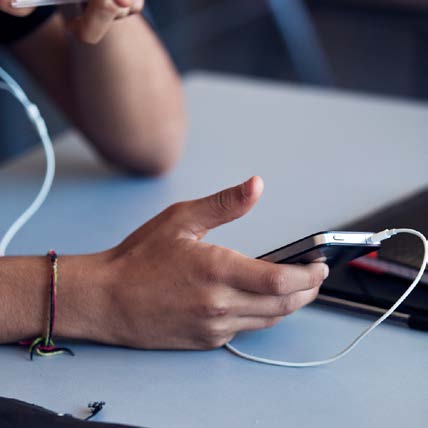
{"x":36,"y":119}
{"x":378,"y":237}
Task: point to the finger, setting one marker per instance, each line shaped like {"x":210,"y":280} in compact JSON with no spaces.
{"x":6,"y":6}
{"x":265,"y":312}
{"x":96,"y":20}
{"x":200,"y":215}
{"x":21,"y":12}
{"x":137,"y":6}
{"x":257,"y":305}
{"x":263,"y":277}
{"x":254,"y":323}
{"x":123,"y":3}
{"x":123,"y":12}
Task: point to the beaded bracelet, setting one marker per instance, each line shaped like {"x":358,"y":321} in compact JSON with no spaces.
{"x":44,"y":345}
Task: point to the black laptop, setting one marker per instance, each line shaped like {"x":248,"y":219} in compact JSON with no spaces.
{"x":372,"y":284}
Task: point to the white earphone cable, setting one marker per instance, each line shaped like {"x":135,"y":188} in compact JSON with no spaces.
{"x":36,"y":119}
{"x":378,"y":237}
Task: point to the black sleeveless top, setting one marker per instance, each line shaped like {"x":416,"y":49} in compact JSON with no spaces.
{"x":13,"y":28}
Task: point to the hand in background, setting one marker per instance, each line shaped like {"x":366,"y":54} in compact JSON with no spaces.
{"x":167,"y":289}
{"x":92,"y":22}
{"x":6,"y":7}
{"x":89,"y":22}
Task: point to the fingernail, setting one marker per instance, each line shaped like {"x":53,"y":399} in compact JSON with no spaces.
{"x":326,"y":271}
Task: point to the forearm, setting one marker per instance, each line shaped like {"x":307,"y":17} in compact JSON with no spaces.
{"x":24,"y":296}
{"x":128,"y":96}
{"x":128,"y":295}
{"x":123,"y":93}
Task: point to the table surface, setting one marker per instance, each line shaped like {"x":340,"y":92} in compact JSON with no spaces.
{"x":327,"y":158}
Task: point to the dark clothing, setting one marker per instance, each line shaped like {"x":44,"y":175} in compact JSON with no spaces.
{"x":13,"y":28}
{"x":18,"y":414}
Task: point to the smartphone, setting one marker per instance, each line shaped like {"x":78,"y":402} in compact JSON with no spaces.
{"x":36,"y":3}
{"x":331,"y":247}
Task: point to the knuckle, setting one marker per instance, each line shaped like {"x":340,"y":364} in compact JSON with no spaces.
{"x":213,"y":307}
{"x":275,"y":282}
{"x":213,"y":311}
{"x":174,"y":210}
{"x":216,"y":309}
{"x":214,"y":335}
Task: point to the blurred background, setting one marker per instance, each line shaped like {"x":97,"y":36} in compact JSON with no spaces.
{"x":368,"y":46}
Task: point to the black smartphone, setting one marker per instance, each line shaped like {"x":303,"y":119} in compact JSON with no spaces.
{"x":331,"y":247}
{"x":349,"y":289}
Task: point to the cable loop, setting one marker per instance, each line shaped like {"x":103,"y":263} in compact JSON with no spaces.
{"x":386,"y":234}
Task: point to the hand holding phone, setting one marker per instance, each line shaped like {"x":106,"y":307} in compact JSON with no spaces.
{"x":332,"y":247}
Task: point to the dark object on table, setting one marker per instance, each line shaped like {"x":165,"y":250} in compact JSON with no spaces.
{"x":18,"y":414}
{"x":367,"y":292}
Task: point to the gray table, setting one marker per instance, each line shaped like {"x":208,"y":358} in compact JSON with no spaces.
{"x":326,"y":157}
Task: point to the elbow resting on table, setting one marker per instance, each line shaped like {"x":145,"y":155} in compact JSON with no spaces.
{"x":149,"y":154}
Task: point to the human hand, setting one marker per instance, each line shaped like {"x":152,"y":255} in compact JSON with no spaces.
{"x":91,"y":23}
{"x":168,"y":289}
{"x":6,"y":7}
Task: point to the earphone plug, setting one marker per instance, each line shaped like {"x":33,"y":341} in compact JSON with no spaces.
{"x":381,"y":236}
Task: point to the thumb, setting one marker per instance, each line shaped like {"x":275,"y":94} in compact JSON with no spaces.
{"x":222,"y":207}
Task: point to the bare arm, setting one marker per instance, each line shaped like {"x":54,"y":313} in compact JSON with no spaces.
{"x":161,"y":287}
{"x":123,"y":93}
{"x":24,"y":296}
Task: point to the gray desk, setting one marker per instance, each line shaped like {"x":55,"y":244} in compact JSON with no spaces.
{"x":326,"y":158}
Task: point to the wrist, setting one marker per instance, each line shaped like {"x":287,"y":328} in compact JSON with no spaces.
{"x":84,"y":288}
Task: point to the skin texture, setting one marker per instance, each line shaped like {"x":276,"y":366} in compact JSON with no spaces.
{"x":162,"y":287}
{"x":123,"y":93}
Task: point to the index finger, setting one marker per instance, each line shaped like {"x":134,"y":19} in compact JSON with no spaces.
{"x":264,"y":277}
{"x":96,"y":20}
{"x":6,"y":6}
